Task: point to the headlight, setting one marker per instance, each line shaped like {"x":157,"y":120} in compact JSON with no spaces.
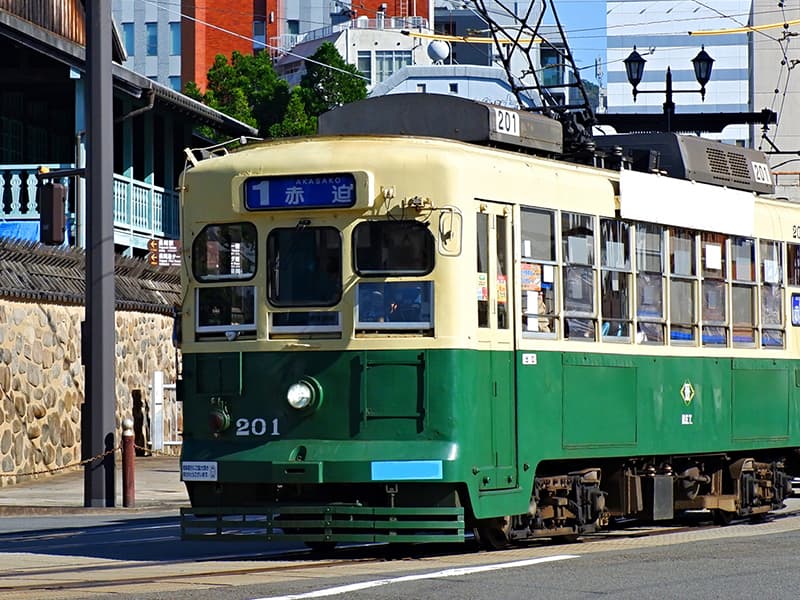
{"x":300,"y":395}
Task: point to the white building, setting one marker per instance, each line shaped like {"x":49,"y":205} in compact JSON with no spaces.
{"x":777,"y":87}
{"x":477,"y":82}
{"x":659,"y":31}
{"x":375,"y":46}
{"x":151,"y":34}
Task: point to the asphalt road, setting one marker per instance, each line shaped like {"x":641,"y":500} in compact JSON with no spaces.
{"x":142,"y":557}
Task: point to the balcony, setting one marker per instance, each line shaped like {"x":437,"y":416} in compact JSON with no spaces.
{"x":142,"y":211}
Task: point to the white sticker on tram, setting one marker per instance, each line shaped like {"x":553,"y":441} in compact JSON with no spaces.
{"x":529,"y":359}
{"x":365,"y":585}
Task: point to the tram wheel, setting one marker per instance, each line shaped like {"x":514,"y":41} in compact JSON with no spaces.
{"x":722,"y":517}
{"x":321,"y":547}
{"x":492,"y":534}
{"x":566,"y":539}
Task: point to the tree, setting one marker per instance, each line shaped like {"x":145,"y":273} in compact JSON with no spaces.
{"x":593,"y":93}
{"x":247,"y":89}
{"x":324,"y":87}
{"x":295,"y":121}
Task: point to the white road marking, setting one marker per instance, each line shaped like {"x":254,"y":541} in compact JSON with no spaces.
{"x":364,"y":585}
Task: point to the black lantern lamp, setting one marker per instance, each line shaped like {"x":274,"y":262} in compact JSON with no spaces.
{"x":634,"y":69}
{"x":702,"y":69}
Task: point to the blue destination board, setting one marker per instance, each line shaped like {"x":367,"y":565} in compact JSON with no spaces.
{"x":327,"y":190}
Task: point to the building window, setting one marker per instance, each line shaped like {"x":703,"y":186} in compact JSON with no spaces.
{"x":175,"y":83}
{"x":453,"y":88}
{"x":292,"y":26}
{"x":128,"y":38}
{"x":365,"y":64}
{"x":152,"y":38}
{"x":421,"y":88}
{"x":388,"y":62}
{"x":552,"y":67}
{"x":259,"y":35}
{"x":175,"y":39}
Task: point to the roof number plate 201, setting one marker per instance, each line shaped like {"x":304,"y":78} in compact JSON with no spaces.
{"x":506,"y":122}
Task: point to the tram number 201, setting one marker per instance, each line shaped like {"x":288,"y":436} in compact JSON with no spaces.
{"x":506,"y":121}
{"x":257,"y":427}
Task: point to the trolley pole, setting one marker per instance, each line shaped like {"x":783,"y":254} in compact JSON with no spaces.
{"x":98,"y":439}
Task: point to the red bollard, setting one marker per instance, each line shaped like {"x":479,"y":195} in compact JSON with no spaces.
{"x":128,"y":456}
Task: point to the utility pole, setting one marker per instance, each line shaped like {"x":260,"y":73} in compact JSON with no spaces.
{"x":98,"y":438}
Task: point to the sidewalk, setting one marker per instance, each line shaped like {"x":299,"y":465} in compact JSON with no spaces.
{"x":157,"y":487}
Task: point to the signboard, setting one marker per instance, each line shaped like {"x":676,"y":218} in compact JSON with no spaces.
{"x":164,"y":253}
{"x":328,"y":190}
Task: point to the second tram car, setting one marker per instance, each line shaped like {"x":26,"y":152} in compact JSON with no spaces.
{"x":443,"y":328}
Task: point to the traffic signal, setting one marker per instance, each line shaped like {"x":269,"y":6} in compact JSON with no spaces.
{"x":52,"y":222}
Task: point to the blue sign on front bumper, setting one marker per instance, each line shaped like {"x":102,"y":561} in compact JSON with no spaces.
{"x":400,"y":470}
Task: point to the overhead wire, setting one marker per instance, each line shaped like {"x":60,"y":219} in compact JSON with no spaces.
{"x":172,"y":6}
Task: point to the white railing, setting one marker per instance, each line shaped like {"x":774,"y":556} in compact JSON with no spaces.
{"x":166,"y":414}
{"x":140,"y":207}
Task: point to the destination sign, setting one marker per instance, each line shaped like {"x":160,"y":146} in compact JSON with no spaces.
{"x":329,"y":190}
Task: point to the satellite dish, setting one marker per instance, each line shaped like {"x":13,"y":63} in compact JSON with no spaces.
{"x":438,"y":51}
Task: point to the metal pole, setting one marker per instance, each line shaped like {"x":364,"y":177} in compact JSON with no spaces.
{"x":128,"y":465}
{"x":98,"y":439}
{"x":669,"y":105}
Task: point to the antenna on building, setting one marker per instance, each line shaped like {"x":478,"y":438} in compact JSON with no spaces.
{"x":563,"y":98}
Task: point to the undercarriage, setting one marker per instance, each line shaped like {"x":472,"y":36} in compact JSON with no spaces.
{"x":578,"y":502}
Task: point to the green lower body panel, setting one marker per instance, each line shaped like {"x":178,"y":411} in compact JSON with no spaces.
{"x":325,"y":523}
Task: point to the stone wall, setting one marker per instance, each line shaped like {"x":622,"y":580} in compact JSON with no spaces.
{"x":42,"y":381}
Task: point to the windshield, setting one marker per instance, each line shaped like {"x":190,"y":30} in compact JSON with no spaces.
{"x":305,"y":266}
{"x":393,"y":248}
{"x":225,"y":252}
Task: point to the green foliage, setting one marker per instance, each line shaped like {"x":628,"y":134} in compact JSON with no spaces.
{"x":247,"y":89}
{"x":325,"y":88}
{"x":295,"y":121}
{"x":593,"y":93}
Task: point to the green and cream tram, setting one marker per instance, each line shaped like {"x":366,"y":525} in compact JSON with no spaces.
{"x":400,"y":338}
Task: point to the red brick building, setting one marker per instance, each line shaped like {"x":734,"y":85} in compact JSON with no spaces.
{"x":211,"y":27}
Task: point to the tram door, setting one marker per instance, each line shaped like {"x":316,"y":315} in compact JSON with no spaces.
{"x":496,"y":341}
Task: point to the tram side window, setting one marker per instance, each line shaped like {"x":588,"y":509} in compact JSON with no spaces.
{"x":305,"y":266}
{"x":483,"y":268}
{"x":615,"y":255}
{"x":682,"y":285}
{"x":714,"y":272}
{"x":650,"y":283}
{"x":223,"y":252}
{"x":793,"y":268}
{"x":577,"y":238}
{"x":383,"y":248}
{"x":501,"y":269}
{"x":743,"y":291}
{"x":538,"y":271}
{"x":771,"y":275}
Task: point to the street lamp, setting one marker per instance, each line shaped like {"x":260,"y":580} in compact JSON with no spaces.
{"x":634,"y":69}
